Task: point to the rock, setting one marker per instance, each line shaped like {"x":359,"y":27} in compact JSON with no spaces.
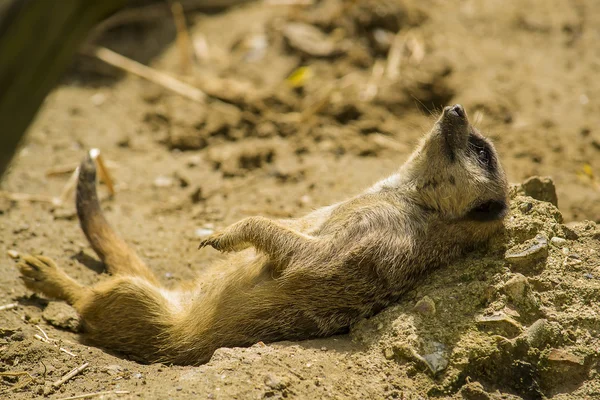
{"x":541,"y":188}
{"x":61,"y":315}
{"x":516,"y":288}
{"x":561,"y":368}
{"x":436,"y":359}
{"x":501,"y":325}
{"x":558,"y":242}
{"x":530,"y":256}
{"x":425,"y":306}
{"x":542,"y":333}
{"x":561,"y":356}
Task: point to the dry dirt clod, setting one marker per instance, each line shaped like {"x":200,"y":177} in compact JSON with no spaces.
{"x":61,"y":315}
{"x":474,"y":391}
{"x":541,"y":188}
{"x":542,"y":333}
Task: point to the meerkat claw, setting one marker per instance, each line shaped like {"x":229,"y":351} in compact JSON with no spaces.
{"x":214,"y":241}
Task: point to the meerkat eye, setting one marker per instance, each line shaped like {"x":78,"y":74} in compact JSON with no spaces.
{"x":484,"y":156}
{"x":482,"y":150}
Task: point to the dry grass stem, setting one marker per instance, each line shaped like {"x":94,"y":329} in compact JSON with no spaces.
{"x":70,"y":375}
{"x":152,"y":75}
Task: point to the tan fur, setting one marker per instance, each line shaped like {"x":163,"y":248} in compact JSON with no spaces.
{"x":294,"y":279}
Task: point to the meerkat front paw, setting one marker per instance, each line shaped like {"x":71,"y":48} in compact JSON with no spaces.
{"x":223,"y":242}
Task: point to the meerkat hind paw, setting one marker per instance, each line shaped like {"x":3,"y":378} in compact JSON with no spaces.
{"x":35,"y":267}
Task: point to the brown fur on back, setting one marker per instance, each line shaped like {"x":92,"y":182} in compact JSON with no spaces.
{"x":298,"y":278}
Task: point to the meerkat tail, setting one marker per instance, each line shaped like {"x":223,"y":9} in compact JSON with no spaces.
{"x":119,"y":258}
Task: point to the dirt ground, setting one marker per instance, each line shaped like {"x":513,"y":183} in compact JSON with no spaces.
{"x":308,"y":105}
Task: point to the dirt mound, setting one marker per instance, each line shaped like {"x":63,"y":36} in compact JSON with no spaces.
{"x":520,"y":318}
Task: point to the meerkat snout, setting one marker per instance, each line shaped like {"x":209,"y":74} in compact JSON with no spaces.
{"x":456,"y":110}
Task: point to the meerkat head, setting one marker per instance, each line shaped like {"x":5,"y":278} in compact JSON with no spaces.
{"x":456,"y":172}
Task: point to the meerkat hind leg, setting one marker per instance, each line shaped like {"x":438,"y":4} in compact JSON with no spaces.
{"x":42,"y":275}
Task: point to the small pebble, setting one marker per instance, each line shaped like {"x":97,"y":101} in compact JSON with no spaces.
{"x":388,"y":353}
{"x":163,"y":181}
{"x":98,"y":99}
{"x":425,"y":306}
{"x":558,"y":242}
{"x":13,"y":254}
{"x":525,"y":207}
{"x":588,"y":276}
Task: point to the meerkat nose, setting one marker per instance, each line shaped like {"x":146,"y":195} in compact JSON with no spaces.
{"x":456,"y":110}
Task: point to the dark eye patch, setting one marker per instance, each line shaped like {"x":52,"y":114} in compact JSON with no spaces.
{"x":482,"y":150}
{"x":488,"y":211}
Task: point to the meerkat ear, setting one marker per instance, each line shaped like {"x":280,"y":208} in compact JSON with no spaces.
{"x":490,"y":210}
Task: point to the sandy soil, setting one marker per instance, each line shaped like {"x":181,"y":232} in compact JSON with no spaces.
{"x":501,"y":327}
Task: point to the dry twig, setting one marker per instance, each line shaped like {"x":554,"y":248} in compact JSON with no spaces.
{"x":48,"y":340}
{"x":30,"y":197}
{"x":70,"y":375}
{"x":103,"y":172}
{"x":8,"y":306}
{"x":394,"y":58}
{"x":152,"y":75}
{"x":95,"y":394}
{"x":372,"y":87}
{"x":183,"y":37}
{"x":18,"y":385}
{"x":201,"y":49}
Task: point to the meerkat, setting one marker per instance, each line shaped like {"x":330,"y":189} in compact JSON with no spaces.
{"x":294,"y":278}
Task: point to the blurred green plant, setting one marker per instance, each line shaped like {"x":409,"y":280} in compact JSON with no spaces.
{"x":38,"y":39}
